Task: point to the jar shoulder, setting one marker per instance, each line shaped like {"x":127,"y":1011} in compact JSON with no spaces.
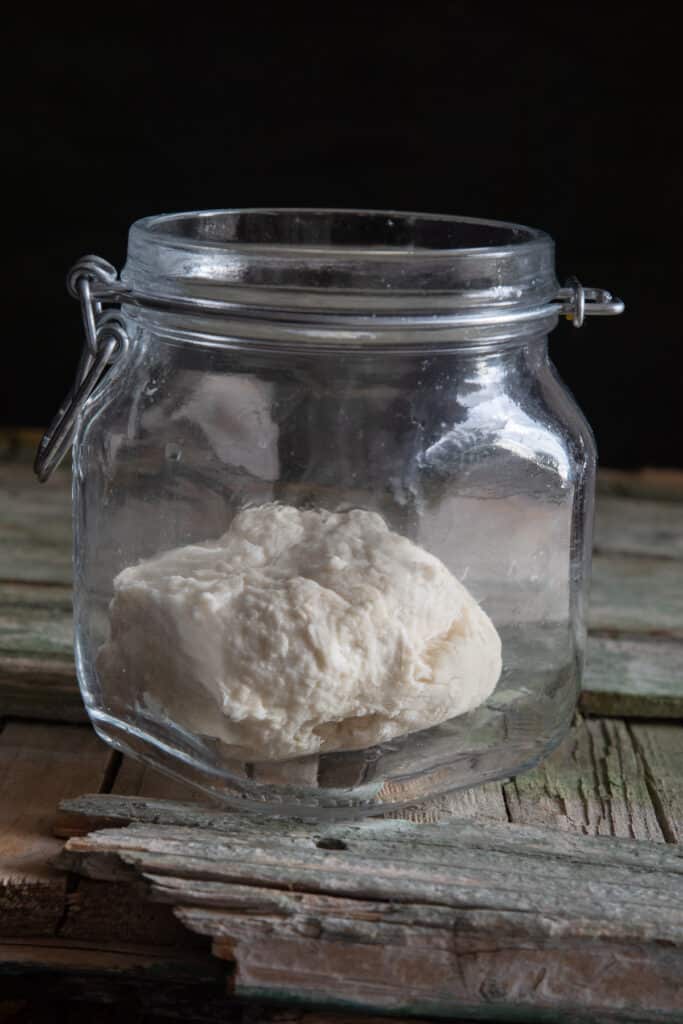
{"x":508,"y":417}
{"x":523,"y":422}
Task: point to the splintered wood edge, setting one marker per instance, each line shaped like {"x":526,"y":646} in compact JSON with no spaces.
{"x":307,"y":923}
{"x":117,"y":811}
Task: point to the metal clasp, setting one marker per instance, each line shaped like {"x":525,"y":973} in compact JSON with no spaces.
{"x":94,"y":282}
{"x":578,"y":302}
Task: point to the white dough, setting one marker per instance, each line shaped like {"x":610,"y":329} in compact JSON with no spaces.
{"x":299,"y":631}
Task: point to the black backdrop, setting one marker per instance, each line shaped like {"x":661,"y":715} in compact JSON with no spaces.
{"x":562,"y":121}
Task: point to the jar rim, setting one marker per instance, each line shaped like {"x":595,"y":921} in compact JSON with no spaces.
{"x":325,"y":264}
{"x":363,"y":232}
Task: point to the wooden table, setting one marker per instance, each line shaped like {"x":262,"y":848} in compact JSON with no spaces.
{"x":553,"y":896}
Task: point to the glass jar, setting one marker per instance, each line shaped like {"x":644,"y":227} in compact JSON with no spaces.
{"x":332,"y":504}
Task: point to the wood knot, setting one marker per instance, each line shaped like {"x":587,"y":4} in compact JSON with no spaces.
{"x":330,"y":843}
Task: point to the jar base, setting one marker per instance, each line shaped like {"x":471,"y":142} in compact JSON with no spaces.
{"x":254,"y":793}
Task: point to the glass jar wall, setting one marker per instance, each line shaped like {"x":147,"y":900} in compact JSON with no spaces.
{"x":332,"y":478}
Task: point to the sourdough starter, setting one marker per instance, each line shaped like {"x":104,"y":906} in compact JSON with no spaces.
{"x":298,"y":632}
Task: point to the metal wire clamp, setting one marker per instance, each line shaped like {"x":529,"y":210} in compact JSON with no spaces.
{"x":105,"y":342}
{"x":578,"y":302}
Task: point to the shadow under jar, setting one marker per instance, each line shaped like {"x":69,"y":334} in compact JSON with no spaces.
{"x":296,"y":434}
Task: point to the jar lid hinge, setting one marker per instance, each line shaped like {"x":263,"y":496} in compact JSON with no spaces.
{"x":105,"y":342}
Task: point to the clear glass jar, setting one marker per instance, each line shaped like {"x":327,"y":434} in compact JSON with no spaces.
{"x":320,"y":361}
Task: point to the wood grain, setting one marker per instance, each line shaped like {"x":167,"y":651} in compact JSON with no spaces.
{"x":39,"y":765}
{"x":482,"y":919}
{"x":97,"y":811}
{"x":480,"y":803}
{"x":63,"y":955}
{"x":36,"y":621}
{"x":634,"y":594}
{"x":633,"y":677}
{"x":37,"y":671}
{"x":117,"y":915}
{"x":593,"y":784}
{"x":660,"y":745}
{"x":638,"y":527}
{"x":35,"y":540}
{"x":649,"y":483}
{"x":596,"y":783}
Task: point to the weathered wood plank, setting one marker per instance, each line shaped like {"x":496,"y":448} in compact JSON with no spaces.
{"x":633,"y":677}
{"x":630,"y":526}
{"x":35,"y":540}
{"x":91,"y":987}
{"x":117,"y":915}
{"x":39,"y":690}
{"x":71,"y":955}
{"x":660,"y":745}
{"x":36,"y":621}
{"x":37,"y":671}
{"x":423,"y":971}
{"x":481,"y":803}
{"x":39,"y":765}
{"x":97,"y":810}
{"x":492,"y":921}
{"x":403,"y":868}
{"x":648,"y":483}
{"x":633,"y":594}
{"x":593,"y":784}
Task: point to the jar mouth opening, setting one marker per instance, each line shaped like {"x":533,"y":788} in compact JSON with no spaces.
{"x":310,"y":265}
{"x":361,"y":232}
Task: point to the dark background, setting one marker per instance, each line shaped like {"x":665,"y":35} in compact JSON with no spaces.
{"x":564,"y":121}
